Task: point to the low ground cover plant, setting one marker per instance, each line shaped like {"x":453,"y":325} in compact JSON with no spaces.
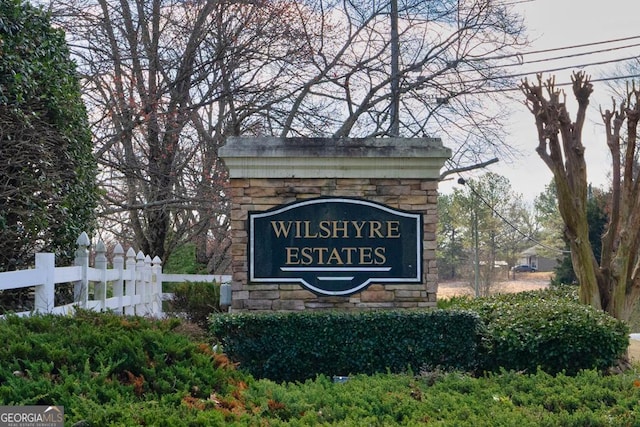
{"x":93,"y":364}
{"x":451,"y":399}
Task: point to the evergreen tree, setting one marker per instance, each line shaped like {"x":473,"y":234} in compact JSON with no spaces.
{"x":451,"y":253}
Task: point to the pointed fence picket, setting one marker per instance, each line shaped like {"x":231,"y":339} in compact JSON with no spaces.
{"x":133,"y":286}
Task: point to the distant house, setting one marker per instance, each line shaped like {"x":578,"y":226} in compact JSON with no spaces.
{"x":541,"y":263}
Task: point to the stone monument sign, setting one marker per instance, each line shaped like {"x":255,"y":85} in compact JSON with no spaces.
{"x":321,"y":223}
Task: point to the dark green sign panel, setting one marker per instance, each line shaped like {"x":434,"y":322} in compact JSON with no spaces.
{"x":335,"y":246}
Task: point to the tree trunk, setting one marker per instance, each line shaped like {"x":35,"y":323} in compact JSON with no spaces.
{"x":611,"y":283}
{"x":560,"y":147}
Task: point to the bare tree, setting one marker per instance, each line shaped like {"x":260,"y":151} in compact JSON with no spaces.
{"x":167,"y":81}
{"x":612,"y":282}
{"x":497,"y":216}
{"x":139,"y":64}
{"x":452,"y":61}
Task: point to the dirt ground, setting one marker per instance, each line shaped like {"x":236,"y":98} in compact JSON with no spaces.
{"x":634,"y":351}
{"x":522,"y":282}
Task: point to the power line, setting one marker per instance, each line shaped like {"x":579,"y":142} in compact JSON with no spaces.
{"x":549,"y":70}
{"x":511,"y":3}
{"x":556,"y":58}
{"x":442,"y":86}
{"x":555,"y":49}
{"x":463,"y":82}
{"x":576,"y":46}
{"x":530,"y":73}
{"x":506,"y":221}
{"x":602,"y":79}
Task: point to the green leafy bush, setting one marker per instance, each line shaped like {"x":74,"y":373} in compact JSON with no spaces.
{"x":195,"y":302}
{"x":298,"y":346}
{"x":549,"y":330}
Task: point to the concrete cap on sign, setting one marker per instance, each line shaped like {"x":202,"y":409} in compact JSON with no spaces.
{"x":272,"y":157}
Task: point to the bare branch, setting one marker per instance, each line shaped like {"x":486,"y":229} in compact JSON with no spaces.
{"x":467,"y":168}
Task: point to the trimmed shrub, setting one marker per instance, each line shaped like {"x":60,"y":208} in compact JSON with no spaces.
{"x":195,"y":302}
{"x":298,"y":346}
{"x":548,"y":330}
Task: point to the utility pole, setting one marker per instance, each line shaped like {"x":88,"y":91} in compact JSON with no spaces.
{"x":475,"y":244}
{"x":474,"y":227}
{"x":394,"y":109}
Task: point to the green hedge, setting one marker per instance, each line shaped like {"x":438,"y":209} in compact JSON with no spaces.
{"x":547,"y":330}
{"x":298,"y":346}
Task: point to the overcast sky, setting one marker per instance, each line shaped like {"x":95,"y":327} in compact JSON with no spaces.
{"x":560,"y":23}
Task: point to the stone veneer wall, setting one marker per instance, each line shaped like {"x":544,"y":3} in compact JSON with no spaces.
{"x":259,"y":194}
{"x":266,"y":172}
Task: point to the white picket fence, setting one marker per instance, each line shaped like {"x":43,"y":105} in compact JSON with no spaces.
{"x":133,"y":286}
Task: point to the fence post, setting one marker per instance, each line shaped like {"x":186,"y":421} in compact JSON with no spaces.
{"x":156,"y":286}
{"x":140,"y":286}
{"x":100,"y":263}
{"x":118,"y":265}
{"x":147,"y":286}
{"x":130,"y":283}
{"x":81,"y":287}
{"x":45,"y":293}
